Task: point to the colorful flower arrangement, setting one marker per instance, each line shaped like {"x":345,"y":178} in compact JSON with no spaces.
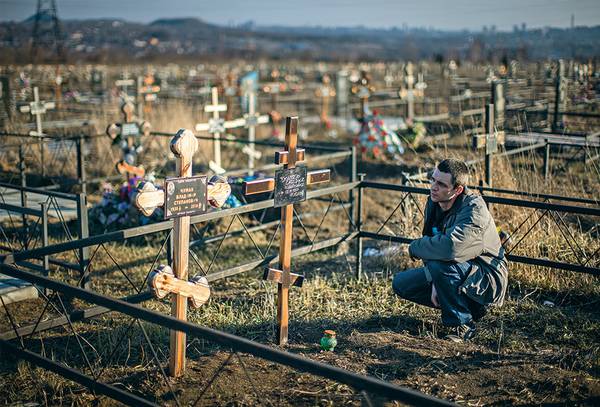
{"x":376,"y":140}
{"x":116,"y":210}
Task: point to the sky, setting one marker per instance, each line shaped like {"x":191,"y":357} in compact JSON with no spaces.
{"x":439,"y":14}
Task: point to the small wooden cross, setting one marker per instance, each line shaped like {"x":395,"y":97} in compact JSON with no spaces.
{"x":363,"y":91}
{"x":290,"y":187}
{"x":175,"y":280}
{"x":37,"y":108}
{"x":122,"y":85}
{"x":127,"y":134}
{"x":325,"y":91}
{"x":251,"y":120}
{"x":215,"y":125}
{"x":147,"y":93}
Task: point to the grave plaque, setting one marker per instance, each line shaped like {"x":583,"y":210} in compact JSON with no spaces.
{"x":129,"y":129}
{"x":185,"y":196}
{"x":290,"y":186}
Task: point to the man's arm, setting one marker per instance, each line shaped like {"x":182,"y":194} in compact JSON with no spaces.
{"x":461,"y":242}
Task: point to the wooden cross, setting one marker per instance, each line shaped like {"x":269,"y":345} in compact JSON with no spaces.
{"x":192,"y":200}
{"x":37,"y":108}
{"x":290,"y":187}
{"x":251,"y":120}
{"x":215,"y":125}
{"x":325,"y":92}
{"x":124,"y":84}
{"x":218,"y":126}
{"x":363,"y":91}
{"x":128,"y":133}
{"x":147,"y":92}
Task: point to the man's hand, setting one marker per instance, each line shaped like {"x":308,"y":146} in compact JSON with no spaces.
{"x":434,"y":297}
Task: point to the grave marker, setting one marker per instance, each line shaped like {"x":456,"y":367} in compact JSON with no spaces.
{"x":175,"y":280}
{"x":290,"y":187}
{"x":325,"y":91}
{"x":128,"y":136}
{"x":363,"y":92}
{"x":216,"y":126}
{"x":37,"y":108}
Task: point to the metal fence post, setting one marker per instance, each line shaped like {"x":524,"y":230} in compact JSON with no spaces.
{"x":83,"y":232}
{"x":23,"y":178}
{"x":81,"y":178}
{"x":559,"y":96}
{"x":352,"y":176}
{"x":489,"y":124}
{"x":547,"y":160}
{"x":359,"y":243}
{"x":44,"y":222}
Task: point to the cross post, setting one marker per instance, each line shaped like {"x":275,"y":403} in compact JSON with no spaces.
{"x":187,"y":196}
{"x":290,"y":187}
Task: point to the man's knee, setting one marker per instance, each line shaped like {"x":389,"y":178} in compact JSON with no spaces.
{"x":405,"y":282}
{"x":437,"y":268}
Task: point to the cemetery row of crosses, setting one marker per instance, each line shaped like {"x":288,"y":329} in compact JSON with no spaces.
{"x":146,"y":144}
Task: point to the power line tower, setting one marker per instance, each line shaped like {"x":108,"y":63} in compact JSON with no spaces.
{"x":47,"y":33}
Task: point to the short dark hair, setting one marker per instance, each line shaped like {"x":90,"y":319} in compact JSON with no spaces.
{"x":457,"y":168}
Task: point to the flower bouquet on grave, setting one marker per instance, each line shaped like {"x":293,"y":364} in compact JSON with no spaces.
{"x":376,"y":140}
{"x":116,"y":210}
{"x":413,"y":134}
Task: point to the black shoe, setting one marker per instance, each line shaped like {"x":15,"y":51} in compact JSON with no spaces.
{"x":461,"y":333}
{"x":478,"y":312}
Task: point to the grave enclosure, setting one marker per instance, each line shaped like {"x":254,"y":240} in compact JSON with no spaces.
{"x":106,"y":288}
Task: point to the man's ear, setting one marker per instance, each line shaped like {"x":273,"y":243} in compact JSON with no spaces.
{"x":460,"y":189}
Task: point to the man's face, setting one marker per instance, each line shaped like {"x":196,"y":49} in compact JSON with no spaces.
{"x":442,"y":188}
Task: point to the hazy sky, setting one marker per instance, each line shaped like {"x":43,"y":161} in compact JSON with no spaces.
{"x":443,"y":14}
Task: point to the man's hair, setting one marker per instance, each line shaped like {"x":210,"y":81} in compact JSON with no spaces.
{"x":457,"y":168}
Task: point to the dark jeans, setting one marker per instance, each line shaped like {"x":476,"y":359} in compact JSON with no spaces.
{"x":457,"y":309}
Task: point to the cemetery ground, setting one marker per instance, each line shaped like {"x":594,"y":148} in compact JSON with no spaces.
{"x":541,"y":347}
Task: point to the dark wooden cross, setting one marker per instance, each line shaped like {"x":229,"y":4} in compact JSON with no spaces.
{"x":127,"y":136}
{"x":182,"y":197}
{"x":289,"y":185}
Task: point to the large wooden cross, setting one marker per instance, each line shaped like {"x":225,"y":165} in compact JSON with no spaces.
{"x":127,"y":136}
{"x":181,"y":198}
{"x":289,"y":185}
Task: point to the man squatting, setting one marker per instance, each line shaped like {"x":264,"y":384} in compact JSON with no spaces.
{"x":464,"y":270}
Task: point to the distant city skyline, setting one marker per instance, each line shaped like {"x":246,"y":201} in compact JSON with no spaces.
{"x":437,"y":14}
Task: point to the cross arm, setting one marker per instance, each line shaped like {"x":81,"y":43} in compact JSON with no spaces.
{"x":162,"y":281}
{"x":148,"y":197}
{"x":268,"y":184}
{"x":276,"y":276}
